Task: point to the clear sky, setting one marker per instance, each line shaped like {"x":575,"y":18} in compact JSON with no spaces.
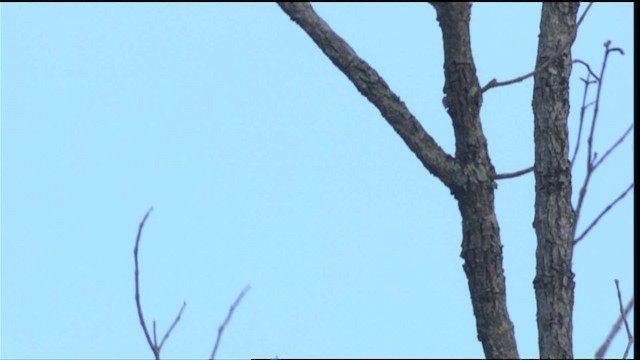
{"x":265,"y":166}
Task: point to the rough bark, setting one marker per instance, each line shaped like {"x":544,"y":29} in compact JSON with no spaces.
{"x":554,"y":217}
{"x":373,"y":87}
{"x":469,"y":175}
{"x":481,"y":246}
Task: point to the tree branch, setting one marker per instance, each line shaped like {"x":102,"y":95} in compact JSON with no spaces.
{"x":227,"y":319}
{"x":616,"y":327}
{"x":513,"y":174}
{"x":155,"y":348}
{"x":620,"y":140}
{"x":609,"y":207}
{"x":372,"y":86}
{"x":152,"y":344}
{"x":495,"y":83}
{"x":591,"y":155}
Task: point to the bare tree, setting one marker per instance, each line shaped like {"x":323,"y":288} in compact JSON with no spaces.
{"x":470,"y":175}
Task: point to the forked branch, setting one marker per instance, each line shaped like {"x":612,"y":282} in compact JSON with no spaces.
{"x":153,"y":344}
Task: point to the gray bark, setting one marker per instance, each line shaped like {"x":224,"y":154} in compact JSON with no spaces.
{"x":554,"y":217}
{"x":470,"y":174}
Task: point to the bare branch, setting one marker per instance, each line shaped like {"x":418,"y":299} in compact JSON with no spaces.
{"x":609,"y":207}
{"x":616,"y":327}
{"x":620,"y":140}
{"x":154,"y":349}
{"x":583,"y":108}
{"x":166,"y":335}
{"x":513,"y":174}
{"x":227,"y":319}
{"x":591,"y":155}
{"x":624,"y":319}
{"x":495,"y":83}
{"x":373,"y":87}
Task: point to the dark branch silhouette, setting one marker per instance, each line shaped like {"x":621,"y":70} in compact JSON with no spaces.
{"x":513,"y":174}
{"x":155,"y":348}
{"x":495,"y":83}
{"x":624,"y":312}
{"x":153,"y":344}
{"x":226,"y":320}
{"x":592,"y":156}
{"x":602,"y":213}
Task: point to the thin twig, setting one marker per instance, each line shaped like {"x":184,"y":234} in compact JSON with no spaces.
{"x":583,"y":108}
{"x":620,"y":140}
{"x":495,"y":83}
{"x":602,"y":350}
{"x":578,"y":61}
{"x":591,"y":155}
{"x":156,"y":351}
{"x":513,"y":174}
{"x":595,"y":221}
{"x":155,"y":348}
{"x":624,"y":319}
{"x":227,"y":319}
{"x":166,"y":335}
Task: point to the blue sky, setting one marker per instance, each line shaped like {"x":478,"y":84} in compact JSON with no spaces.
{"x":265,"y":166}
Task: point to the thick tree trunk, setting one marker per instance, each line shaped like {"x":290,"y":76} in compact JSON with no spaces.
{"x":554,"y":217}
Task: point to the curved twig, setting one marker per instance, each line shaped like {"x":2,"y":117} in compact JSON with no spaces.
{"x":495,"y":83}
{"x":591,"y":155}
{"x":152,"y":345}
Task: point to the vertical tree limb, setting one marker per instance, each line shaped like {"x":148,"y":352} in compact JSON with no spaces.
{"x":554,"y":217}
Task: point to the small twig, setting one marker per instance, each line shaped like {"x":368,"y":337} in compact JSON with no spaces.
{"x":155,"y":338}
{"x":624,"y":319}
{"x":595,"y":221}
{"x":591,"y":155}
{"x":495,"y":83}
{"x":156,"y":351}
{"x":620,"y":140}
{"x":578,"y":61}
{"x":616,"y":328}
{"x":227,"y":319}
{"x":166,"y":336}
{"x":583,"y":108}
{"x":155,"y":348}
{"x":513,"y":174}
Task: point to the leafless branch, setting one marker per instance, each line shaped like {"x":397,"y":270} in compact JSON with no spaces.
{"x":578,"y":61}
{"x":624,"y":312}
{"x":609,"y":207}
{"x":591,"y":155}
{"x":513,"y":174}
{"x":624,"y":319}
{"x":166,"y":335}
{"x":620,"y":140}
{"x":583,"y":108}
{"x":155,"y":348}
{"x":373,"y":87}
{"x":495,"y":83}
{"x":227,"y":319}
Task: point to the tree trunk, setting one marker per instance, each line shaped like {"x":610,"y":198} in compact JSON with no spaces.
{"x":481,"y":246}
{"x":554,"y":217}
